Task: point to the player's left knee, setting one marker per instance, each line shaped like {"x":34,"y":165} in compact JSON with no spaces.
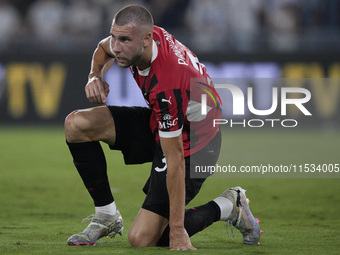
{"x":140,"y":239}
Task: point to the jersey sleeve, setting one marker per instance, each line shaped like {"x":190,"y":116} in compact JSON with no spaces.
{"x":170,"y":109}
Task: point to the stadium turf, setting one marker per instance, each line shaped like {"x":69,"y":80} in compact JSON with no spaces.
{"x":42,"y":199}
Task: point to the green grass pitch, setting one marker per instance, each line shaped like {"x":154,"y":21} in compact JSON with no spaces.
{"x":42,"y":199}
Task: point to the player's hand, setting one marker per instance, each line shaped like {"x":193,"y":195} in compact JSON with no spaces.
{"x":97,"y":91}
{"x":179,"y":240}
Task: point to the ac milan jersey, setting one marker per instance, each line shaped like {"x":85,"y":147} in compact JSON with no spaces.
{"x":172,"y":87}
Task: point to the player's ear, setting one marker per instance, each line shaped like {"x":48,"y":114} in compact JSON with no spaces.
{"x":147,"y":39}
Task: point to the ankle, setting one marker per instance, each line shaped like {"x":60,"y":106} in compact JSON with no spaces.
{"x":110,"y":209}
{"x":226,"y":208}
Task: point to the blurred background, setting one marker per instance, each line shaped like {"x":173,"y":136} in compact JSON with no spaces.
{"x":46,"y":48}
{"x":216,"y":26}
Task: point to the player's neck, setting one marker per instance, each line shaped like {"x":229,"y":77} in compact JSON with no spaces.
{"x":145,"y":60}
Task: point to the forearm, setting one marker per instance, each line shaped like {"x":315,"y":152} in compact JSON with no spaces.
{"x":176,"y":191}
{"x":175,"y":180}
{"x":96,"y":88}
{"x":102,"y":59}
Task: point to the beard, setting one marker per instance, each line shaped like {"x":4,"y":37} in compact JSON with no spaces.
{"x":134,"y":59}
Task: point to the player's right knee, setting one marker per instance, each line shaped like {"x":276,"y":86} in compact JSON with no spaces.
{"x":75,"y":126}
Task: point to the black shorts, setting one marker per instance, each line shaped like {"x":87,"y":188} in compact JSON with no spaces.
{"x":137,"y":143}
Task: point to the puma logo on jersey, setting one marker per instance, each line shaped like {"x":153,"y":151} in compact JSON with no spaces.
{"x":167,"y":101}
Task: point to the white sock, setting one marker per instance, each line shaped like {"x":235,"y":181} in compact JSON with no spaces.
{"x":226,"y":207}
{"x":110,"y":209}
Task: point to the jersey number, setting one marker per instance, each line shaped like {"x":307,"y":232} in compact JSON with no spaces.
{"x":163,"y":168}
{"x":196,"y":63}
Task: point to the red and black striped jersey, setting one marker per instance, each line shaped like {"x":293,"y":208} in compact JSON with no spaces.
{"x":172,"y":87}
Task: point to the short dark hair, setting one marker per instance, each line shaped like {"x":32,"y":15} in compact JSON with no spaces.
{"x":134,"y":13}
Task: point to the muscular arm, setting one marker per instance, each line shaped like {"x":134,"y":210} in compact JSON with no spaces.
{"x":102,"y":59}
{"x":173,"y":151}
{"x":96,"y":88}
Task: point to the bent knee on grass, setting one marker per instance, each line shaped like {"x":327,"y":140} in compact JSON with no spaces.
{"x":141,"y":239}
{"x":147,"y":229}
